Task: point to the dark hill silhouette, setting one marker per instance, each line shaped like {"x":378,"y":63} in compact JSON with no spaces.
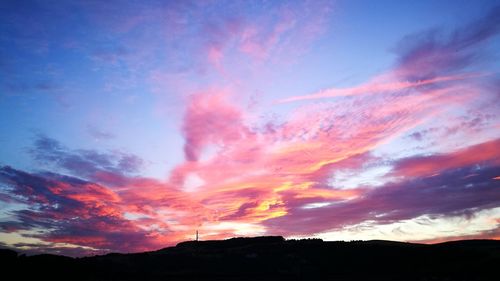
{"x":272,"y":258}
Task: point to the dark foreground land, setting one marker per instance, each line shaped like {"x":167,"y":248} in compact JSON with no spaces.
{"x":271,"y":258}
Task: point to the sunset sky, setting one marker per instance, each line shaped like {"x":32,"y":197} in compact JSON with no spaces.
{"x":126,"y":126}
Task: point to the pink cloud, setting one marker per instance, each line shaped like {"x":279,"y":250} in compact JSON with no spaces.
{"x":377,"y":87}
{"x":287,"y":167}
{"x":278,"y":36}
{"x":211,"y":119}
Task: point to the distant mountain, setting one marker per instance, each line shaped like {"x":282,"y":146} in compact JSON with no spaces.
{"x":271,"y":258}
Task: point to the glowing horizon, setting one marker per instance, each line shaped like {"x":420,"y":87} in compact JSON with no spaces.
{"x":129,"y":127}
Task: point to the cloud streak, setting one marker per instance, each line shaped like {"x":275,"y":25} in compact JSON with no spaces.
{"x":376,"y":87}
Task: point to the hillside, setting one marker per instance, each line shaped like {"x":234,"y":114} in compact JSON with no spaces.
{"x":272,"y":258}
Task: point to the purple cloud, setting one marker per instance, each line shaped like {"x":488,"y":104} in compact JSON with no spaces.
{"x":70,"y":210}
{"x":457,"y":190}
{"x":435,"y":53}
{"x":110,"y":168}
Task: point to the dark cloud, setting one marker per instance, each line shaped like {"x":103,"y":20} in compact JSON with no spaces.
{"x":456,"y":191}
{"x":98,"y":133}
{"x":487,"y":153}
{"x":63,"y":209}
{"x":110,"y":168}
{"x":423,"y":134}
{"x":436,"y":53}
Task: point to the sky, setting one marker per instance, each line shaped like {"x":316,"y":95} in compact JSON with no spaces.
{"x":126,"y":126}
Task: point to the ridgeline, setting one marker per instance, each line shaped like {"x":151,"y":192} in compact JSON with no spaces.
{"x":271,"y":258}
